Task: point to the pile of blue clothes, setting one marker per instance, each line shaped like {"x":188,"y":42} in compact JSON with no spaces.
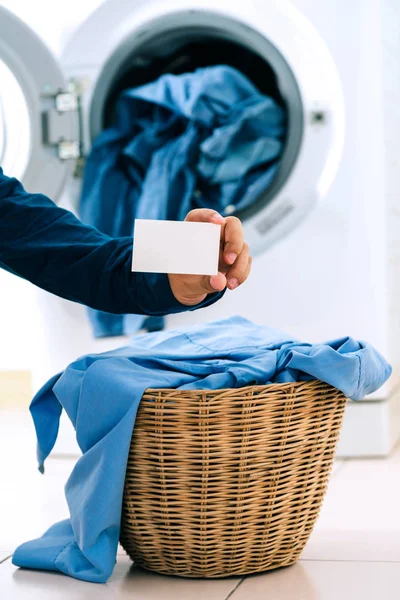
{"x":203,"y":139}
{"x":101,"y":394}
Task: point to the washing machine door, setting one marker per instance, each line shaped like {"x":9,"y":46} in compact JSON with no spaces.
{"x":39,"y":139}
{"x":122,"y":32}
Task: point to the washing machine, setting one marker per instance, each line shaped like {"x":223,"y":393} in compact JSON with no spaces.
{"x":323,"y":235}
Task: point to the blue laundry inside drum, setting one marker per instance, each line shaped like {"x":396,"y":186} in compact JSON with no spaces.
{"x":145,"y":68}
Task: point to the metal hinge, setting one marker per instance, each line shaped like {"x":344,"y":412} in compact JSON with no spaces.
{"x":61,"y":123}
{"x":66,"y":102}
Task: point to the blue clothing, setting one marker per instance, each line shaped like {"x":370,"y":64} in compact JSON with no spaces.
{"x":48,"y":246}
{"x":101,"y":394}
{"x":206,"y":139}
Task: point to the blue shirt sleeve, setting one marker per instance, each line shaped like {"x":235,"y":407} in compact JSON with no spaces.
{"x":50,"y":247}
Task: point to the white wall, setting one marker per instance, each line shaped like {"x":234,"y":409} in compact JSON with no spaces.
{"x":324,"y":281}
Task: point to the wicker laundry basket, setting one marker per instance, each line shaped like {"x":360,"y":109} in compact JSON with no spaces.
{"x":228,"y":482}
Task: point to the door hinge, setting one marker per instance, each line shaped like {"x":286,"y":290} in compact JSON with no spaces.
{"x":66,"y":102}
{"x":61,"y":120}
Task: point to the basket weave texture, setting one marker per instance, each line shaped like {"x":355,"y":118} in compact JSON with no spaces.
{"x":228,"y":482}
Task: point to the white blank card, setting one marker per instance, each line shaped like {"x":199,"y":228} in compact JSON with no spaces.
{"x":176,"y":247}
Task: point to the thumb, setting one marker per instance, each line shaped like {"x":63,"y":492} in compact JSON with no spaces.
{"x":216,"y":283}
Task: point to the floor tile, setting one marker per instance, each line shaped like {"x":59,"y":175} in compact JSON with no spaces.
{"x":324,"y":581}
{"x":395,"y":458}
{"x":126,"y":582}
{"x":121,"y":551}
{"x":27,"y":515}
{"x":356,"y":541}
{"x":4,"y":556}
{"x":360,"y":518}
{"x":31,"y":502}
{"x":353,"y":545}
{"x":337,"y":466}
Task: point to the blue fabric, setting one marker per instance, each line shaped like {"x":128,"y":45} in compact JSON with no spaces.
{"x":204,"y":139}
{"x":101,"y":394}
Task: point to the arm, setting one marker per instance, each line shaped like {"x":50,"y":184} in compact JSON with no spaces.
{"x":51,"y":248}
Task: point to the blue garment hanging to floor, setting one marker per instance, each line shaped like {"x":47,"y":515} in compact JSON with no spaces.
{"x":203,"y":139}
{"x":101,"y":394}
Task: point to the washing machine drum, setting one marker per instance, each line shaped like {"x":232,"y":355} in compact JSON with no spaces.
{"x":269,"y":42}
{"x":183,"y":49}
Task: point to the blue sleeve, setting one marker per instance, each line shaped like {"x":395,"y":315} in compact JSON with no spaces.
{"x":50,"y":247}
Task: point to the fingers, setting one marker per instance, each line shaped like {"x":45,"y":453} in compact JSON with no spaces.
{"x":235,"y":260}
{"x":240,"y":271}
{"x":205,"y":215}
{"x":233,"y":239}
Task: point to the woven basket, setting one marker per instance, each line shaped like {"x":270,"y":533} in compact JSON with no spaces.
{"x":228,"y":482}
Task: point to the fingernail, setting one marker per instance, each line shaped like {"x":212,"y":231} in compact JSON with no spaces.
{"x":217,"y":218}
{"x":233,"y":283}
{"x":214,"y":282}
{"x":231,"y":258}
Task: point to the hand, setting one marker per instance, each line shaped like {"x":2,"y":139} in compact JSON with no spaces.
{"x":234,"y":261}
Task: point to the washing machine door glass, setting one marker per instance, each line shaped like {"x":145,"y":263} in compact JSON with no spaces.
{"x":39,"y":139}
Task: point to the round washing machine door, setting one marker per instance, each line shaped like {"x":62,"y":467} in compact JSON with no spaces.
{"x":122,"y":33}
{"x":38,"y":115}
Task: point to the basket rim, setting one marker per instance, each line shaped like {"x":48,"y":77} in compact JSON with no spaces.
{"x":271,"y":386}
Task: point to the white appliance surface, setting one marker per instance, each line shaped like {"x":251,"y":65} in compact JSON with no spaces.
{"x":332,"y":276}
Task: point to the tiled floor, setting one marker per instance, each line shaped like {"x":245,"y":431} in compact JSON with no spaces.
{"x":353,"y":553}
